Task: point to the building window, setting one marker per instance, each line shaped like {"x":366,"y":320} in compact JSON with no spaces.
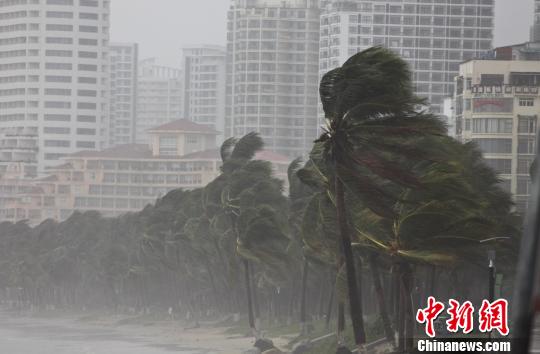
{"x":503,"y":166}
{"x":526,"y":145}
{"x":494,"y":146}
{"x":168,"y":146}
{"x":60,"y":2}
{"x":492,"y":125}
{"x":88,"y":29}
{"x":526,"y":102}
{"x":527,"y":124}
{"x":88,"y":16}
{"x":57,"y":117}
{"x":491,"y":80}
{"x":58,"y":27}
{"x":86,"y":131}
{"x":86,"y":144}
{"x":523,"y":185}
{"x":57,"y":143}
{"x":86,"y":119}
{"x":56,"y":130}
{"x":59,"y":14}
{"x":90,"y":3}
{"x":524,"y":166}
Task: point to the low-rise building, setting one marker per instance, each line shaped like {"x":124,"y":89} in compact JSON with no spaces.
{"x":121,"y":179}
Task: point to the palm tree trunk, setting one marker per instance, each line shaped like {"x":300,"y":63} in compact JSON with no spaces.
{"x":401,"y":318}
{"x":355,"y":299}
{"x":256,"y":308}
{"x":303,"y":324}
{"x":212,"y":282}
{"x":374,"y":265}
{"x":432,"y":281}
{"x":251,"y":317}
{"x":321,"y":298}
{"x":406,"y":303}
{"x":330,"y":304}
{"x":341,"y":323}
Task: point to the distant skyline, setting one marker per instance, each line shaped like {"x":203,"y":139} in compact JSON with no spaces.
{"x":163,"y":27}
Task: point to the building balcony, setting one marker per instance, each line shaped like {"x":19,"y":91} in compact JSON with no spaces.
{"x":505,"y":90}
{"x":23,"y":148}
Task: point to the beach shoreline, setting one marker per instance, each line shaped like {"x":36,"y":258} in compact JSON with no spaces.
{"x":205,"y":338}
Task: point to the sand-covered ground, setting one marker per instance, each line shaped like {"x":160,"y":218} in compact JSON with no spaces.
{"x":54,"y":333}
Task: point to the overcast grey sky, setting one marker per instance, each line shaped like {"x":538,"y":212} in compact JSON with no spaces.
{"x":162,"y":27}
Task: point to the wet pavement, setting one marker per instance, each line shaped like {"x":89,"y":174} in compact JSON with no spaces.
{"x":52,"y":336}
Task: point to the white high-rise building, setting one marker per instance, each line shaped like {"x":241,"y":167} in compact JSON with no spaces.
{"x":272,"y":72}
{"x":433,"y":36}
{"x":53,"y":80}
{"x":123,"y":59}
{"x":159,"y":97}
{"x":204,"y":86}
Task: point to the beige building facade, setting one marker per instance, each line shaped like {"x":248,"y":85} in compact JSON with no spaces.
{"x":121,"y":179}
{"x":497,"y":104}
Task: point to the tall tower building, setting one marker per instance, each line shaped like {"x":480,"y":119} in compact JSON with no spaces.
{"x":535,"y":31}
{"x":204,"y":86}
{"x":53,"y":80}
{"x":434,"y":37}
{"x":272,"y":72}
{"x":123,"y":60}
{"x":159,"y":97}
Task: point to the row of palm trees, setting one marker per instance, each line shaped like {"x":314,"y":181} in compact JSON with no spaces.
{"x":385,"y":208}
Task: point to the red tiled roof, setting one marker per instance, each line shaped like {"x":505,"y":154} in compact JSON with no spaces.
{"x":184,"y":125}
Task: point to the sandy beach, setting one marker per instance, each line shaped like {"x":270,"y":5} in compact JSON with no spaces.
{"x":74,"y":334}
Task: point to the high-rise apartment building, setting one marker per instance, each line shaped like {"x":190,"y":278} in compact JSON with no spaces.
{"x":159,"y":97}
{"x":497,"y":105}
{"x":535,"y":30}
{"x":204,"y":85}
{"x":53,"y":80}
{"x":123,"y":60}
{"x":433,"y":36}
{"x":272,"y":72}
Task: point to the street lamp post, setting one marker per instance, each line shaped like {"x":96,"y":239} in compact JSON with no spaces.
{"x":491,"y":282}
{"x":492,"y":275}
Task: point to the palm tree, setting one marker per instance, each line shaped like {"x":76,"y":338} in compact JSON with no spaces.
{"x":253,"y":199}
{"x":459,"y":209}
{"x":371,"y":115}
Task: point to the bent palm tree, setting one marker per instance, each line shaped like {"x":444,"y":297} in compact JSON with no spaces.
{"x":459,"y":208}
{"x":371,"y":115}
